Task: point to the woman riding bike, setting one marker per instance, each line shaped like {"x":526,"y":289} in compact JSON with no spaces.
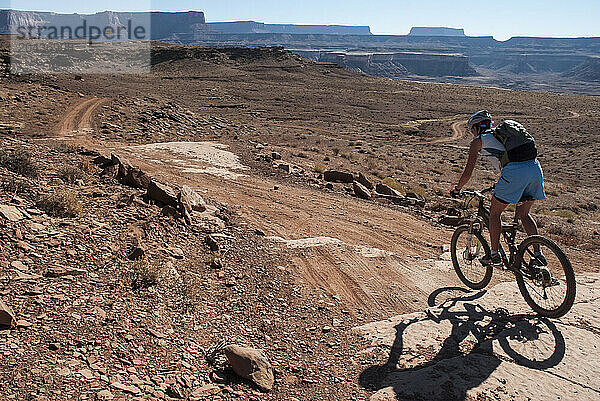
{"x":521,"y":181}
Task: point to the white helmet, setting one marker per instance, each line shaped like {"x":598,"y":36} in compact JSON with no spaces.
{"x":478,"y":118}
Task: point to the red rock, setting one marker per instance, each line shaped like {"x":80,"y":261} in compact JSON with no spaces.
{"x":251,"y":364}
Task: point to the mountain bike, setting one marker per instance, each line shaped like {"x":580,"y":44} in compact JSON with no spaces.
{"x":548,"y":286}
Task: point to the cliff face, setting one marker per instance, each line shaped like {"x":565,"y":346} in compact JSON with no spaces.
{"x":396,"y":65}
{"x":588,"y":71}
{"x":436,"y":31}
{"x":161,"y":25}
{"x":248,"y":27}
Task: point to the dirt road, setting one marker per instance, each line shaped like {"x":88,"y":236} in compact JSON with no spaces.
{"x":79,"y":117}
{"x":377,"y":260}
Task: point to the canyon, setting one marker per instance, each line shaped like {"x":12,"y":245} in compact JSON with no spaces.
{"x":443,"y":55}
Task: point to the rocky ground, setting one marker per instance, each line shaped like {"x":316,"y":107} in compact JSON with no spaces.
{"x":117,"y":296}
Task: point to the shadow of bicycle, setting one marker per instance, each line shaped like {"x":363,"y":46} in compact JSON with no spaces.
{"x":479,"y":340}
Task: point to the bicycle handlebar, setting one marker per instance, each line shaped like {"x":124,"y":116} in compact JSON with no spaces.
{"x":479,"y":194}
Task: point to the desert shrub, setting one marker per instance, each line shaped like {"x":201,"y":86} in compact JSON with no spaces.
{"x":392,"y":183}
{"x":19,"y":162}
{"x":319,"y":168}
{"x":66,"y":148}
{"x":143,"y":274}
{"x":86,"y":167}
{"x":70,"y":174}
{"x":419,"y":190}
{"x":60,"y":203}
{"x":15,"y":185}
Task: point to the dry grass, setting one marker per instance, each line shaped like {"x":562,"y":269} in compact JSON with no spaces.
{"x":60,"y":203}
{"x":319,"y":168}
{"x":566,"y":234}
{"x":565,"y":213}
{"x":66,"y":148}
{"x":419,"y":190}
{"x":70,"y":174}
{"x":15,"y":186}
{"x":19,"y":162}
{"x":143,"y":274}
{"x":392,"y":183}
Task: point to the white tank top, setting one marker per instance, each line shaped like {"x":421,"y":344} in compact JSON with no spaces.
{"x":492,"y":148}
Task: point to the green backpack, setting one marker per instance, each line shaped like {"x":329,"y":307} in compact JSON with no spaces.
{"x":519,"y":144}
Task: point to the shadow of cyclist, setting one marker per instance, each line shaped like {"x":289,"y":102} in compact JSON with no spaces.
{"x":468,"y":321}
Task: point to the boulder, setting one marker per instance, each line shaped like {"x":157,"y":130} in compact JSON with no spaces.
{"x":275,"y":156}
{"x":132,"y":176}
{"x":364,"y":181}
{"x":11,"y":213}
{"x":170,"y":211}
{"x":338,"y":176}
{"x":190,"y":200}
{"x":162,"y":193}
{"x":361,"y":191}
{"x":251,"y":364}
{"x":7,"y":316}
{"x":385,"y":190}
{"x":102,"y":161}
{"x":414,"y":196}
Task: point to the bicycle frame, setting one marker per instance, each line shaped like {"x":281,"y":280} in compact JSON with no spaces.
{"x":509,"y":232}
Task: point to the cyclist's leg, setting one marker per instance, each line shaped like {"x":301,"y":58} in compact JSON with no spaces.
{"x":496,"y":209}
{"x":528,"y":222}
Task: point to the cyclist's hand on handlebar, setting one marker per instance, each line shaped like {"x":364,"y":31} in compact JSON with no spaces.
{"x":455,"y":193}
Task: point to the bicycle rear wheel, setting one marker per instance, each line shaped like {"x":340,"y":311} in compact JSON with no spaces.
{"x":466,"y":250}
{"x":549,"y":290}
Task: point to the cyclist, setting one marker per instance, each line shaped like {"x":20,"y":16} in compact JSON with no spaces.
{"x":521,"y":182}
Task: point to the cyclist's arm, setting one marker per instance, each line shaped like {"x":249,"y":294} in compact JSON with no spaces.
{"x":473,"y":154}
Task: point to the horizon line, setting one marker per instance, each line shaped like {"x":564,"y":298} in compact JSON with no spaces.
{"x":311,"y":24}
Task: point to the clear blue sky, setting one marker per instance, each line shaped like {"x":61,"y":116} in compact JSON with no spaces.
{"x":502,"y":19}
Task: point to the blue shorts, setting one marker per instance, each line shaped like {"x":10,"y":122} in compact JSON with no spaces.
{"x":519,"y":180}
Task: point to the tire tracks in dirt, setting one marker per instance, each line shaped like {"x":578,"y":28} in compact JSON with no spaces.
{"x":79,"y":117}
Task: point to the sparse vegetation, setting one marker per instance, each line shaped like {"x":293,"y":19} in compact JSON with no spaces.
{"x":15,"y":185}
{"x":66,"y":148}
{"x":319,"y":168}
{"x":70,"y":174}
{"x":566,"y":234}
{"x":392,"y":183}
{"x":143,"y":274}
{"x":419,"y":190}
{"x":565,"y":213}
{"x":60,"y":203}
{"x":19,"y":162}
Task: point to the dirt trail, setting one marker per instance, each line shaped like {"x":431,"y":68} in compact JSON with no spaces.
{"x":457,"y":133}
{"x":379,"y":261}
{"x":366,"y":262}
{"x":79,"y":117}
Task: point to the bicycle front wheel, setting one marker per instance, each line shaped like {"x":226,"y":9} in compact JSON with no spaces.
{"x":466,"y":250}
{"x":547,"y":283}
